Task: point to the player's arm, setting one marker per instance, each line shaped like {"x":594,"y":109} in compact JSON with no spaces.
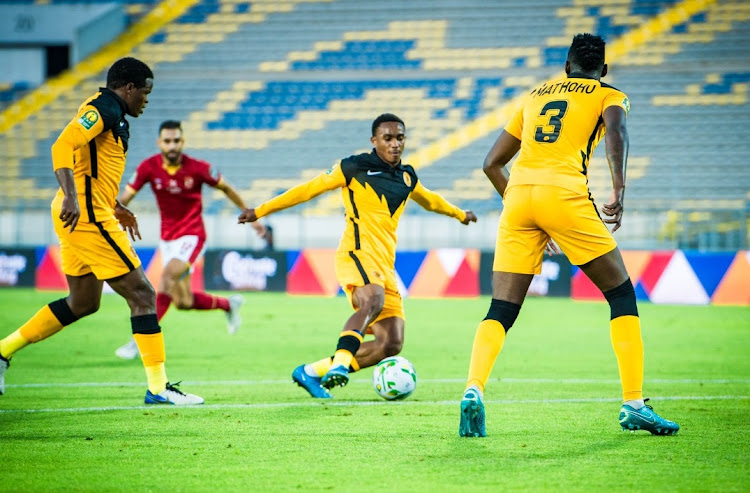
{"x":505,"y":147}
{"x":330,"y":180}
{"x":76,"y":134}
{"x":616,"y":143}
{"x":434,"y":202}
{"x":127,"y":195}
{"x":235,"y":198}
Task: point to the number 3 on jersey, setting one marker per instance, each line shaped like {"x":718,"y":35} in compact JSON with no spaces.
{"x":554,"y":111}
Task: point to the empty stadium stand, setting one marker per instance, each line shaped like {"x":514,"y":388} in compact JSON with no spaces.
{"x":272,"y":92}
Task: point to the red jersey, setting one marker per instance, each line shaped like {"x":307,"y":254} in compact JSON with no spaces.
{"x":178,"y":193}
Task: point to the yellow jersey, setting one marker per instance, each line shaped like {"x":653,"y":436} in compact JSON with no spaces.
{"x":94,"y":145}
{"x":559,"y":126}
{"x":374,"y":195}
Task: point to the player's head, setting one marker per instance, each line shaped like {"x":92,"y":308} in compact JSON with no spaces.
{"x":586,"y":55}
{"x":389,"y":137}
{"x":170,"y":141}
{"x":132,"y":80}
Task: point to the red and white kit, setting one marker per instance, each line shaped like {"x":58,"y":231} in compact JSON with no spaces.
{"x":178,"y":195}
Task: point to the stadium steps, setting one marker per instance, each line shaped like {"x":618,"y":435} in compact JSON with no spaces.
{"x":47,"y":109}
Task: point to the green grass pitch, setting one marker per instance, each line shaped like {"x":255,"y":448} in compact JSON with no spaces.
{"x":73,"y":417}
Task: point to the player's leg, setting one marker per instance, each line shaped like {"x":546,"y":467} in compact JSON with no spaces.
{"x":368,"y":300}
{"x":609,"y":274}
{"x":83,"y":299}
{"x":140,"y":296}
{"x":576,"y":227}
{"x":389,"y":339}
{"x":508,"y":293}
{"x":518,"y":255}
{"x":176,"y":283}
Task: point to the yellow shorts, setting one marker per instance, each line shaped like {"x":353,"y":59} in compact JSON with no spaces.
{"x":102,"y":248}
{"x":356,"y":269}
{"x":534,"y":213}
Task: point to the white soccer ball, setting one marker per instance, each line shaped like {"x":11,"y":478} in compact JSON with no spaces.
{"x":394,"y":378}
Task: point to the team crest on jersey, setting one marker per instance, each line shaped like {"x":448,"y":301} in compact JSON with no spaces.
{"x":89,"y":119}
{"x":626,"y":105}
{"x":189,"y":182}
{"x":407,"y":179}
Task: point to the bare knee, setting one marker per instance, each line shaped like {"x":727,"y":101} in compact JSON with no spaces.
{"x":142,"y":297}
{"x":392,"y":346}
{"x":82,"y":307}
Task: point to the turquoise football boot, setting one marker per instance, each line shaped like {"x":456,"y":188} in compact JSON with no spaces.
{"x":338,"y":375}
{"x":472,"y":415}
{"x":310,"y":384}
{"x":646,"y":419}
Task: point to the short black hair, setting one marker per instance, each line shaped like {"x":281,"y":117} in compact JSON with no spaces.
{"x":126,"y":70}
{"x":170,"y":125}
{"x":385,"y":117}
{"x":587,"y":52}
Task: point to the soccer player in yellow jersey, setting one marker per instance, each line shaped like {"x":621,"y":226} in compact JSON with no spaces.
{"x":88,"y":159}
{"x":546,"y":197}
{"x":374,"y":187}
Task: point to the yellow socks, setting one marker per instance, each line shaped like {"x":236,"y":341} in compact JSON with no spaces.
{"x":488,"y":341}
{"x":625,"y":333}
{"x":349,"y":342}
{"x":342,"y":357}
{"x":13,"y":343}
{"x":39,"y":327}
{"x":322,"y":366}
{"x":151,"y":347}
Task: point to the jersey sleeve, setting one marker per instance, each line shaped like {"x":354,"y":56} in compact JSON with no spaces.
{"x":515,"y":125}
{"x":140,"y":177}
{"x":435,"y":202}
{"x":329,"y":180}
{"x":210,"y":175}
{"x":616,"y":98}
{"x":87,"y":124}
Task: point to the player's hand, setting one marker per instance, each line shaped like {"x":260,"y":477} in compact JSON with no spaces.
{"x":470,"y":218}
{"x":551,"y":248}
{"x":70,"y":212}
{"x":128,"y":221}
{"x":247,"y":216}
{"x":614,"y":208}
{"x":260,"y":229}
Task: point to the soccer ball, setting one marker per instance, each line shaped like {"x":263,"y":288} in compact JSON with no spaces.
{"x":394,"y":378}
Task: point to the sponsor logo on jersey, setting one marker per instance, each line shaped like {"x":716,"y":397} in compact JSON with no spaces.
{"x":626,"y":105}
{"x":89,"y":119}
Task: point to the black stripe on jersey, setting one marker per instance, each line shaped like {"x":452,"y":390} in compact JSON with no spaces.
{"x":360,"y":268}
{"x":356,"y":234}
{"x":589,"y":147}
{"x":354,"y":206}
{"x":356,"y":215}
{"x":591,"y":198}
{"x":94,"y":159}
{"x":105,"y":234}
{"x":90,"y":200}
{"x":608,"y":86}
{"x":115,"y":247}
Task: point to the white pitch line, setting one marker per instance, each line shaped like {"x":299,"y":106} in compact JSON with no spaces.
{"x":558,"y":381}
{"x":413,"y":402}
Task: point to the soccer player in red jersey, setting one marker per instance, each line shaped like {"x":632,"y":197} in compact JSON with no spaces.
{"x":176,"y":180}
